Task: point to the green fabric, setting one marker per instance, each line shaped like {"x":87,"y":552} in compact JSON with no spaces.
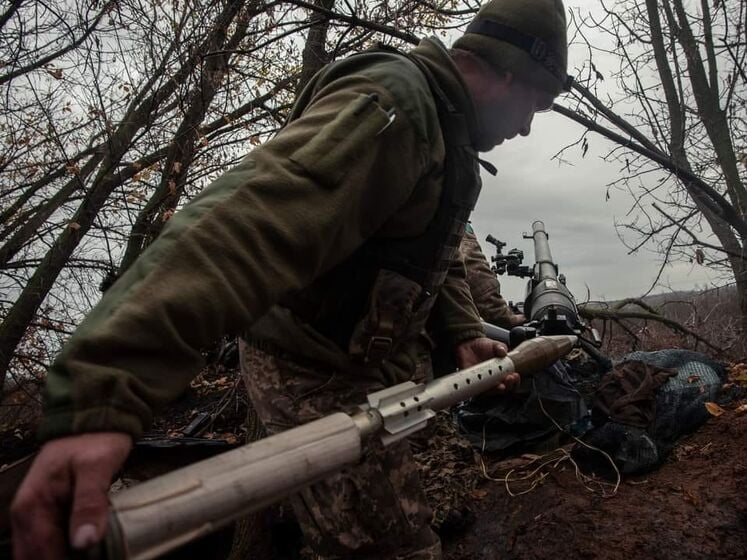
{"x":91,"y":386}
{"x":455,"y":318}
{"x":458,"y":320}
{"x":544,"y":19}
{"x":265,"y":229}
{"x":443,"y":69}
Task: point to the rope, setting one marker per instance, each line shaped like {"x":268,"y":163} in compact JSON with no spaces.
{"x":554,"y":459}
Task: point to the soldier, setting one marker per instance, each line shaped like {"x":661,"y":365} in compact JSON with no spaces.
{"x":485,"y":291}
{"x":484,"y":286}
{"x":332,"y":244}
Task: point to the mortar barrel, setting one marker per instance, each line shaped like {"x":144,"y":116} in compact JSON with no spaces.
{"x":542,"y":255}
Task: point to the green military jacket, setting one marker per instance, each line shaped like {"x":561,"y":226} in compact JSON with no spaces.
{"x":362,"y":157}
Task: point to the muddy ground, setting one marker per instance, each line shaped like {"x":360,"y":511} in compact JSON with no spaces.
{"x":694,"y":506}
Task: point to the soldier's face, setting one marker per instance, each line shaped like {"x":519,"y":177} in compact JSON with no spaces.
{"x":508,"y":109}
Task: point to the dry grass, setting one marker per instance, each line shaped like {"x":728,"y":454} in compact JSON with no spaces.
{"x":713,"y":315}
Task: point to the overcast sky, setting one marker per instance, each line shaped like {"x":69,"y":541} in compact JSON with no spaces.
{"x":570,"y":200}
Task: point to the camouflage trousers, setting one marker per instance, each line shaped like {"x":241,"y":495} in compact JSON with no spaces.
{"x":375,"y":509}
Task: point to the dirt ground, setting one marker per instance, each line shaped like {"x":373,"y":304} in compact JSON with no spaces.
{"x":695,"y":506}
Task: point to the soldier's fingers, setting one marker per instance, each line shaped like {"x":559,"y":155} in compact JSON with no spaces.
{"x":45,"y":540}
{"x":509,"y":383}
{"x":499,"y":349}
{"x":66,"y":470}
{"x":36,"y":515}
{"x":512,"y":381}
{"x":97,"y":458}
{"x":90,"y":506}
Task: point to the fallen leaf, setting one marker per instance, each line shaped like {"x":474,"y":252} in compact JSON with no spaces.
{"x":693,"y":379}
{"x":691,"y":496}
{"x":479,"y":493}
{"x":741,"y":409}
{"x":74,"y":226}
{"x":714,"y":409}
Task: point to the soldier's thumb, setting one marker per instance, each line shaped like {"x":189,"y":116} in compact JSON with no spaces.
{"x":90,"y":508}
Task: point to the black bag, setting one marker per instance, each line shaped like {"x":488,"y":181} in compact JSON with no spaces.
{"x":516,"y":423}
{"x":647,"y":402}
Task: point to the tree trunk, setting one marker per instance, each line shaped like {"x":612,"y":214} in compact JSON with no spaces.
{"x":152,"y":218}
{"x":108,"y":178}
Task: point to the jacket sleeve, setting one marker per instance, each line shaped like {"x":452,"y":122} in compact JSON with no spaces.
{"x":455,"y":318}
{"x":291,"y":210}
{"x":483,"y":284}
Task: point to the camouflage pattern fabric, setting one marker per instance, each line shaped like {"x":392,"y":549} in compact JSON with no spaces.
{"x":376,"y":509}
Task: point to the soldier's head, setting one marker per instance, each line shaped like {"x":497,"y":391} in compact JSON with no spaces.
{"x":513,"y":57}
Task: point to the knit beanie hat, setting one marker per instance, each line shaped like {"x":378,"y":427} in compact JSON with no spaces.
{"x":524,"y":37}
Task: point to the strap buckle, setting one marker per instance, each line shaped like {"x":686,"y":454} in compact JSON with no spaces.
{"x":379,"y":348}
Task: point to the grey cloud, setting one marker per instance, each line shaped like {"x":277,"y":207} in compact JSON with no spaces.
{"x":570,"y":200}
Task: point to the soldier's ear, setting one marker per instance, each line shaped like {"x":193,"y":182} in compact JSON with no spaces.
{"x":484,"y":82}
{"x":498,"y":85}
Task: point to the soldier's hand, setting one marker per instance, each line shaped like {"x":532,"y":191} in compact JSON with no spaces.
{"x":517,"y":320}
{"x":70,"y":475}
{"x":478,"y":350}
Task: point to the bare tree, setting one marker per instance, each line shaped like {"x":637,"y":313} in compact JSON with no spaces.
{"x":35,"y":34}
{"x":114,"y":114}
{"x":677,"y":114}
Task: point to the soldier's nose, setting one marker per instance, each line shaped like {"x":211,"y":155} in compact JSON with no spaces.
{"x":526,"y":129}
